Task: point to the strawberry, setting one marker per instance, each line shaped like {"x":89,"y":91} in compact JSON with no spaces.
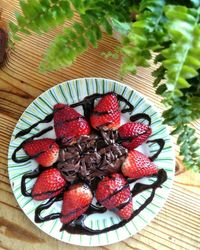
{"x":44,"y":151}
{"x":69,"y":123}
{"x":49,"y":184}
{"x":138,"y":165}
{"x":113,"y":192}
{"x":139,"y":133}
{"x":106,"y":113}
{"x":76,"y":201}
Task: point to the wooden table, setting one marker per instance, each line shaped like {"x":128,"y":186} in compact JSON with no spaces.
{"x":178,"y":224}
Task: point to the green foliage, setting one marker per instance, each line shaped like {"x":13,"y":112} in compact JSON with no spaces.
{"x":72,"y":42}
{"x":169,"y":28}
{"x":41,"y":16}
{"x":181,"y":61}
{"x":143,"y":36}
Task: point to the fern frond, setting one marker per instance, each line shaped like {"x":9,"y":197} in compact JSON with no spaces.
{"x":189,"y":148}
{"x":41,"y":16}
{"x":143,"y":36}
{"x":67,"y":46}
{"x":181,"y":57}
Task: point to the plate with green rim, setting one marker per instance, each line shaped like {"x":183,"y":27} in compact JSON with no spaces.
{"x":71,"y":92}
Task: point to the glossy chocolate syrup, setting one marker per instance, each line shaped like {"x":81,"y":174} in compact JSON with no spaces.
{"x":38,"y":218}
{"x":14,"y":155}
{"x":87,"y":103}
{"x":47,"y":119}
{"x":30,"y":175}
{"x":161,"y":144}
{"x":78,"y":227}
{"x":39,"y":209}
{"x":139,"y":116}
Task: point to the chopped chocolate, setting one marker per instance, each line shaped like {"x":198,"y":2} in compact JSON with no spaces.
{"x":92,"y":156}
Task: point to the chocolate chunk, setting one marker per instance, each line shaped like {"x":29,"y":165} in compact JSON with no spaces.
{"x":91,"y":156}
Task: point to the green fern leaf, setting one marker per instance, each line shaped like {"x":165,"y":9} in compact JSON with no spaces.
{"x":143,"y":35}
{"x":180,"y":62}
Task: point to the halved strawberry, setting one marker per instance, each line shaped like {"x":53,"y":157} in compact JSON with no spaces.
{"x":76,"y":201}
{"x":139,"y":133}
{"x":49,"y":184}
{"x":138,"y":165}
{"x":106,"y":113}
{"x":44,"y":151}
{"x":113,"y":192}
{"x":69,"y":123}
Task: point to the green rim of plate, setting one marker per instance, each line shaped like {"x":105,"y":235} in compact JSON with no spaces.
{"x":74,"y":91}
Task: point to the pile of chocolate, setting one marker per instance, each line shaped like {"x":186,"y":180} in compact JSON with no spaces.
{"x":94,"y":155}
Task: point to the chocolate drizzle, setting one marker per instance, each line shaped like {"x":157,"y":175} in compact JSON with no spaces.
{"x":161,"y":144}
{"x":88,"y":103}
{"x":139,"y":116}
{"x":39,"y":209}
{"x":30,"y":175}
{"x":78,"y":226}
{"x":89,"y":159}
{"x":14,"y":155}
{"x":47,"y":119}
{"x":38,"y":218}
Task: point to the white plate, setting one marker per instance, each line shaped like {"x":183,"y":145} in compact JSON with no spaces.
{"x":71,"y":92}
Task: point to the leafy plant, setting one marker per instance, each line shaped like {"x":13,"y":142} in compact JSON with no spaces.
{"x":169,"y":29}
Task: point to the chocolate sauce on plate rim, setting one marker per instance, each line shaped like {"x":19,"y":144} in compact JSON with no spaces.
{"x":77,"y":226}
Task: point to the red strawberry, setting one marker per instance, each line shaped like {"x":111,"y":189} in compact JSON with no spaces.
{"x":49,"y":184}
{"x":138,"y":165}
{"x":69,"y":123}
{"x":44,"y":151}
{"x":106,"y":114}
{"x":113,"y":192}
{"x":76,"y":201}
{"x":139,"y":133}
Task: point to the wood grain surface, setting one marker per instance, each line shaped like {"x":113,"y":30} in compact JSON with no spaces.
{"x":178,"y":224}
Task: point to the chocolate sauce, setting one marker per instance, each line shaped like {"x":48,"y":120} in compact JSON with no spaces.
{"x":122,"y":205}
{"x":115,"y":192}
{"x":161,"y":144}
{"x":30,"y":175}
{"x":98,"y":113}
{"x":14,"y":155}
{"x":122,"y":99}
{"x":88,"y":104}
{"x":130,"y":138}
{"x":67,"y":121}
{"x":49,"y":193}
{"x":47,"y":119}
{"x":38,"y":218}
{"x":139,"y":116}
{"x":93,"y":149}
{"x":78,"y":226}
{"x":39,"y":209}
